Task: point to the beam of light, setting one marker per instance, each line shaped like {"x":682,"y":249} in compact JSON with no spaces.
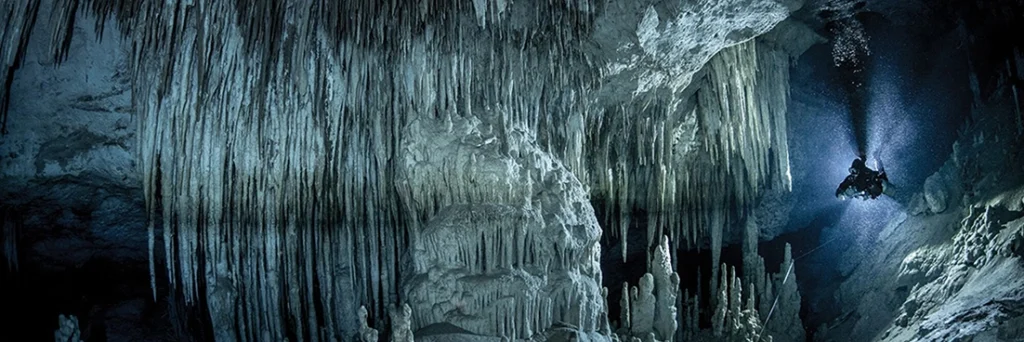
{"x":850,"y":54}
{"x":916,"y":94}
{"x":890,"y":131}
{"x":821,"y":153}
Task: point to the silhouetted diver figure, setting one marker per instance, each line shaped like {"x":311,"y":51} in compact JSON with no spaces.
{"x":863,"y":182}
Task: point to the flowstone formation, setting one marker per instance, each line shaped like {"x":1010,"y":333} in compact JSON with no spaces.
{"x":513,"y":247}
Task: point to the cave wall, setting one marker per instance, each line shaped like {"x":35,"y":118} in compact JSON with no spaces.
{"x":71,"y":200}
{"x":946,"y":265}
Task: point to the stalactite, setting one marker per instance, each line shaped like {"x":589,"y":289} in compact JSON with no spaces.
{"x":264,"y":153}
{"x":688,"y":162}
{"x":18,"y":17}
{"x":269,"y":137}
{"x":62,"y":22}
{"x":751,"y":268}
{"x":717,"y":225}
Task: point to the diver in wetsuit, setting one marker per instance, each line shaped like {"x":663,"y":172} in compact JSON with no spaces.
{"x":863,"y":182}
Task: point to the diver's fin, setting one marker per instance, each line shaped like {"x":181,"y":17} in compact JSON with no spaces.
{"x":887,"y":188}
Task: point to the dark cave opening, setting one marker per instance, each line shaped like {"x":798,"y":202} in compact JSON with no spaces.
{"x":107,"y":296}
{"x":816,"y":281}
{"x":693,"y":265}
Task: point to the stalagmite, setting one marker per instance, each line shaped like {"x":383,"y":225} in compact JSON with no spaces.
{"x":767,"y":299}
{"x":749,"y":242}
{"x":735,"y":319}
{"x":366,"y":333}
{"x":666,"y":283}
{"x":691,"y":317}
{"x":716,"y":253}
{"x":733,"y":323}
{"x":753,"y":264}
{"x":783,"y":319}
{"x":721,"y":306}
{"x":750,"y":305}
{"x":401,"y":324}
{"x":624,"y":319}
{"x":651,"y":309}
{"x":643,"y":308}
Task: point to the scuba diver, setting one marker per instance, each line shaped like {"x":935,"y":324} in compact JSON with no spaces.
{"x":863,"y":182}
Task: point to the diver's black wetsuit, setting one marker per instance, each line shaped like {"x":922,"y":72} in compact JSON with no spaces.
{"x":862,"y":182}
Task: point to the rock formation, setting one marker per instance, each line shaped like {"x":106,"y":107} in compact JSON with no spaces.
{"x":515,"y":247}
{"x":650,"y":310}
{"x":950,"y":269}
{"x":305,"y":160}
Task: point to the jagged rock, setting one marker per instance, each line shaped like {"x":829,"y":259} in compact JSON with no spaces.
{"x":674,"y":42}
{"x":771,"y":216}
{"x":922,"y":266}
{"x":918,"y":205}
{"x":936,"y":194}
{"x":793,"y":37}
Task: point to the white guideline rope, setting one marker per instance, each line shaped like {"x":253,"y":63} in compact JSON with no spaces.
{"x":784,"y":279}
